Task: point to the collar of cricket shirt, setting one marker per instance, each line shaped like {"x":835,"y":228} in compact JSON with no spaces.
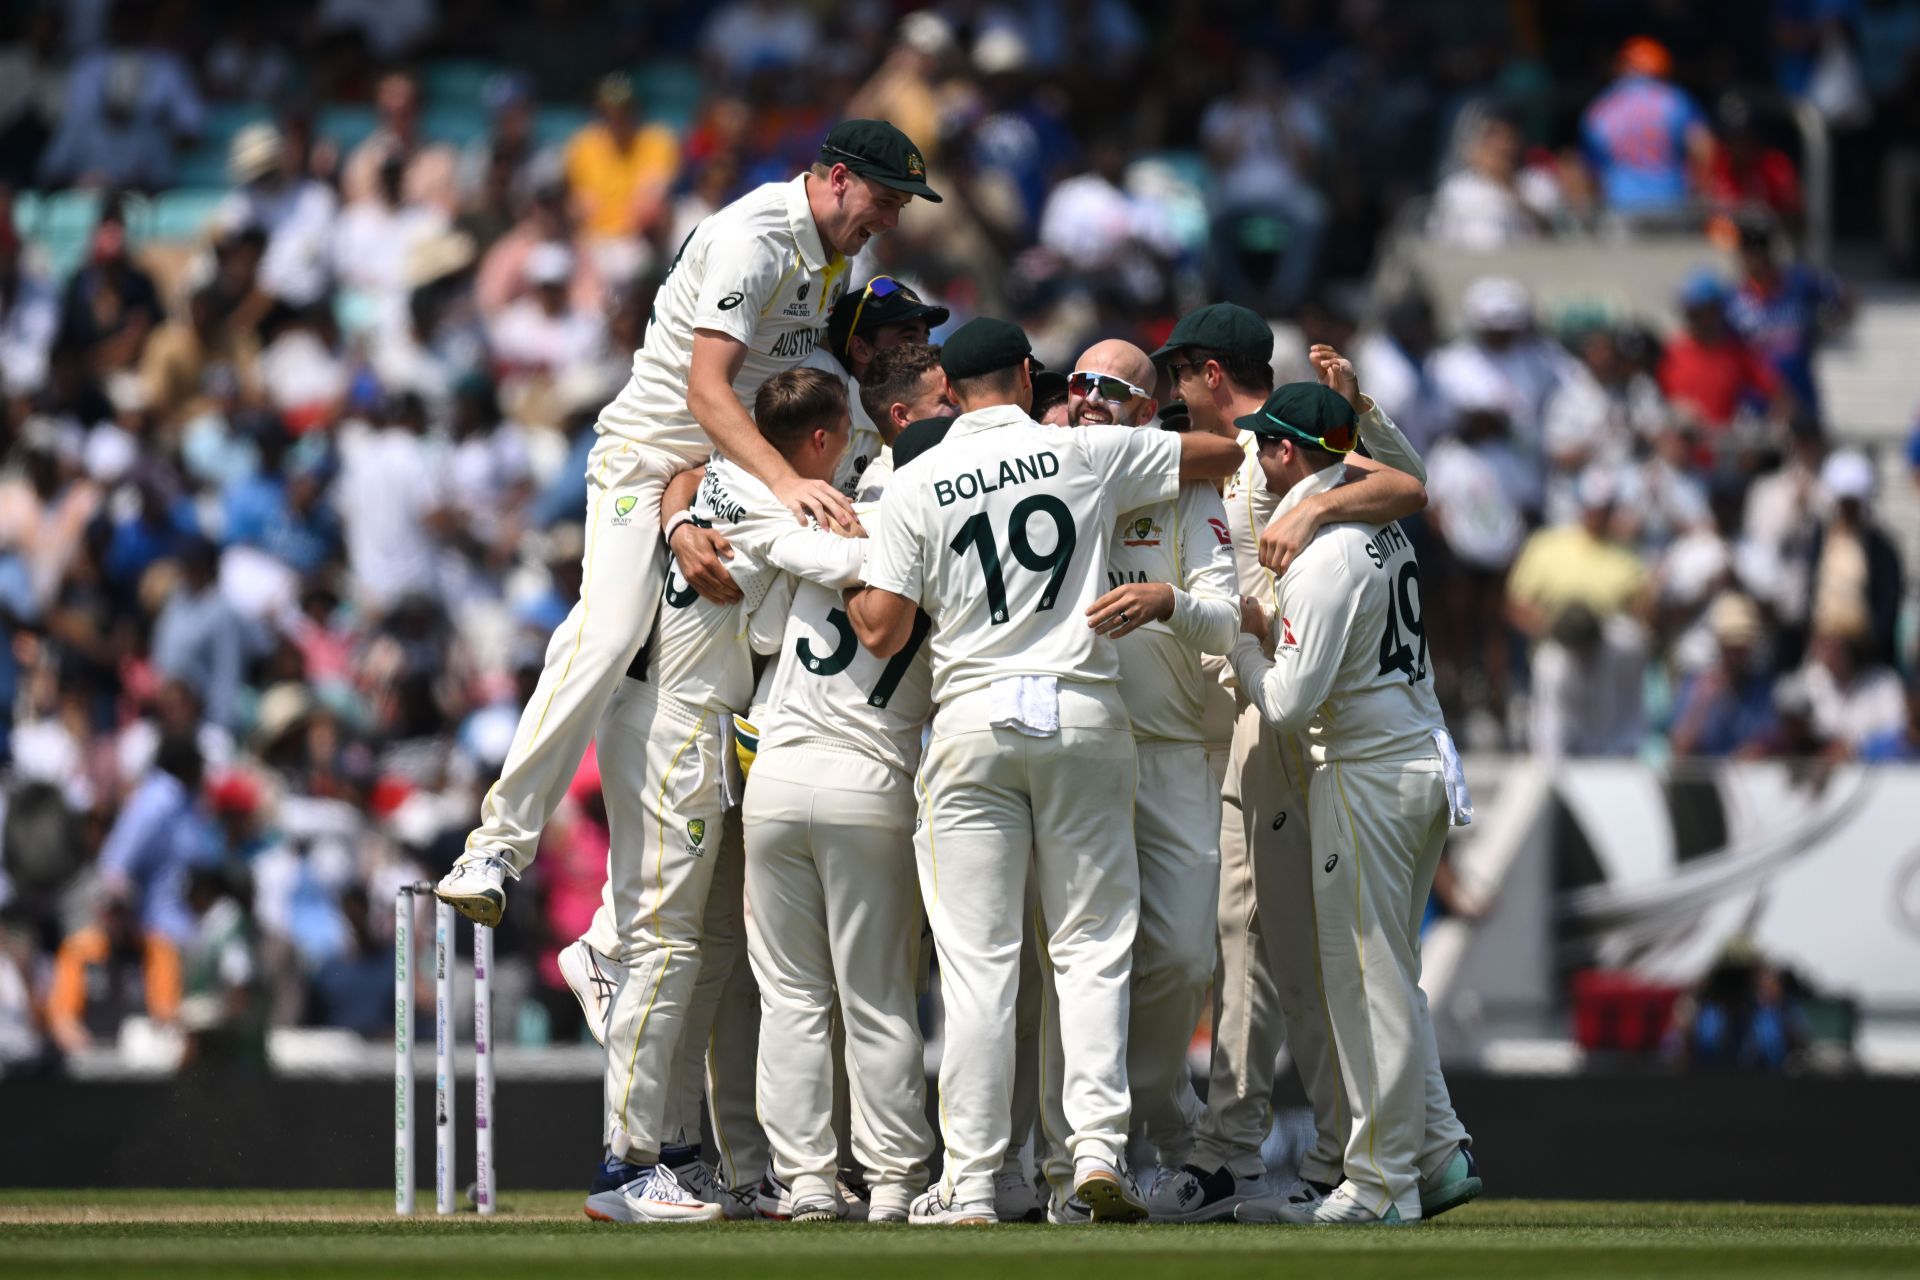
{"x":994,"y":415}
{"x":1319,"y":482}
{"x":806,"y":234}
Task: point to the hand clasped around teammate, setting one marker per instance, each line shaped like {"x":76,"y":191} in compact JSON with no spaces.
{"x":1124,"y":610}
{"x":816,"y":499}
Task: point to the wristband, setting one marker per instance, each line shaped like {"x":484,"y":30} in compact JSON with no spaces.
{"x":675,"y":521}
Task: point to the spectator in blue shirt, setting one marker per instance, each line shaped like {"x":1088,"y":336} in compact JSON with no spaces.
{"x":160,"y":836}
{"x":1643,"y":136}
{"x":1782,"y":311}
{"x":1902,"y":745}
{"x":200,"y":639}
{"x":1728,"y":706}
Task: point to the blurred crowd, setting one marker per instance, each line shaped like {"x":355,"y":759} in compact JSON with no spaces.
{"x":291,"y":502}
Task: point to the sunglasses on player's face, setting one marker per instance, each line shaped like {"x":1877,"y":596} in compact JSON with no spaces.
{"x":1102,"y":386}
{"x":878,"y":287}
{"x":1339,"y":440}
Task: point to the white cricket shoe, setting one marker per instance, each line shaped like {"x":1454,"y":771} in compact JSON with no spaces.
{"x":938,"y":1206}
{"x":1344,"y":1208}
{"x":815,"y":1207}
{"x":593,"y":979}
{"x":654,"y":1196}
{"x":1299,"y":1198}
{"x":476,"y":887}
{"x":1014,"y":1199}
{"x":1107,"y":1190}
{"x":1187,"y":1194}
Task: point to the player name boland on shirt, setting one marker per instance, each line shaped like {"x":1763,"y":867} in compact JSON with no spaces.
{"x":756,"y":271}
{"x":1184,"y":543}
{"x":1001,"y":535}
{"x":701,"y":653}
{"x":829,"y":690}
{"x":1350,"y":662}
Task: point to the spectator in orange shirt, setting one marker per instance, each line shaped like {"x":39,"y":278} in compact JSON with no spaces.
{"x":108,"y":972}
{"x":1708,"y":371}
{"x":619,"y":170}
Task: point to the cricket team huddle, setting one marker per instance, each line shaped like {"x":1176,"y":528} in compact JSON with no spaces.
{"x":1114,"y":687}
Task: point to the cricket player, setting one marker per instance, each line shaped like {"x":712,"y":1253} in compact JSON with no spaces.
{"x":904,"y":385}
{"x":1001,"y":535}
{"x":834,"y":905}
{"x":1171,"y":598}
{"x":1219,"y":361}
{"x":666,"y":756}
{"x":742,"y":301}
{"x":882,"y":314}
{"x":1350,"y":669}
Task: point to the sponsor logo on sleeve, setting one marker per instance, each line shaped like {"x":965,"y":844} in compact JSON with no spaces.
{"x":732,"y":300}
{"x":1287,"y":639}
{"x":1220,"y":530}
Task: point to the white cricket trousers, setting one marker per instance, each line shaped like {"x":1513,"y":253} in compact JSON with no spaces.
{"x":622,"y":572}
{"x":720,"y":1036}
{"x":1378,"y":830}
{"x":1176,"y":839}
{"x":834,"y":907}
{"x":996,"y":806}
{"x":1270,"y":958}
{"x":662,"y":769}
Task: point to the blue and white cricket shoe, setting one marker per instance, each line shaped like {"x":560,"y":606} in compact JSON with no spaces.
{"x":1188,"y":1194}
{"x":655,"y":1196}
{"x":1457,"y":1182}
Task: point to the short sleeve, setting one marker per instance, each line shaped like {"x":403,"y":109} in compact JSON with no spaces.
{"x":739,"y":281}
{"x":1137,"y":466}
{"x":894,"y":561}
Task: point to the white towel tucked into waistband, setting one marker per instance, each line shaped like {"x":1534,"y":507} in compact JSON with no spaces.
{"x":1026,"y":704}
{"x":1459,"y":801}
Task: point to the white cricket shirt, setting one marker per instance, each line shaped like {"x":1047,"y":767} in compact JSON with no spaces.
{"x":700,"y":652}
{"x":1001,"y":535}
{"x":1184,"y":543}
{"x":756,"y":271}
{"x":1350,"y":665}
{"x":827,"y":689}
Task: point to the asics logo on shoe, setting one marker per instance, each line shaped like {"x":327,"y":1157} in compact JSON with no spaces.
{"x":603,"y":985}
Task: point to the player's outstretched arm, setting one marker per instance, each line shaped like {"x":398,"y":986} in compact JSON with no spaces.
{"x":1204,"y":456}
{"x":1380,"y":495}
{"x":882,"y":620}
{"x":717,"y":358}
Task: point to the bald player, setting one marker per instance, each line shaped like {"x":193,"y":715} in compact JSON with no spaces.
{"x":743,"y":300}
{"x":1219,"y":362}
{"x":1171,"y":598}
{"x":1350,"y":670}
{"x":1001,"y":535}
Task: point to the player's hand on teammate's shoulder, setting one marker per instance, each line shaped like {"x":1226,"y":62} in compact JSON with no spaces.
{"x":1125,"y":610}
{"x":1287,"y":535}
{"x":846,"y":529}
{"x":1337,"y":372}
{"x":703,"y":554}
{"x":816,"y":499}
{"x":1253,"y":618}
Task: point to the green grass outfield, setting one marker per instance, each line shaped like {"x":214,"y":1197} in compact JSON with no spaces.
{"x":149,"y":1233}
